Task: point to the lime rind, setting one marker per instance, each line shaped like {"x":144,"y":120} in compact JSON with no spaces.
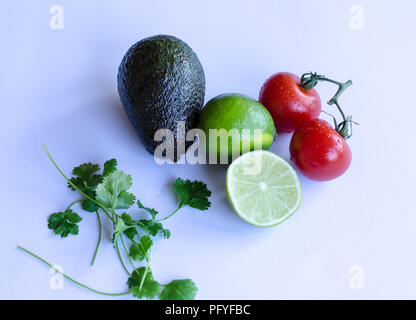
{"x":278,"y":200}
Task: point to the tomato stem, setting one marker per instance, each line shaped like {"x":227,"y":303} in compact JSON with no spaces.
{"x":310,"y":80}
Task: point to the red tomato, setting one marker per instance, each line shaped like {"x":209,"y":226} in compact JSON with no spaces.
{"x":289,"y":104}
{"x":319,"y":151}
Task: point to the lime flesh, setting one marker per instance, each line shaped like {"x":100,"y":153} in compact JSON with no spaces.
{"x":263,"y":188}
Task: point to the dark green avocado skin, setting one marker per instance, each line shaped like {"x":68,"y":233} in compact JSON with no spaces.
{"x":161,"y":81}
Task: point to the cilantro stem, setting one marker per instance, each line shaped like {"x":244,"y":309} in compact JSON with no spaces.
{"x":71,"y":183}
{"x":176,"y":210}
{"x":113,"y":219}
{"x":73,"y":203}
{"x":121,"y":259}
{"x":147,"y":268}
{"x":109,"y":217}
{"x":144,"y":275}
{"x":99,"y":237}
{"x":69,"y":278}
{"x":126,"y":251}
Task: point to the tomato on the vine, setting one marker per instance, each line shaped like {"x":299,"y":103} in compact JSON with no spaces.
{"x":289,"y":104}
{"x":319,"y":151}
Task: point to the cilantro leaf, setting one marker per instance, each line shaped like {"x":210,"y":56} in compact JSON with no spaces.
{"x":179,"y":290}
{"x":64,"y":223}
{"x":86,"y":180}
{"x":85,"y":170}
{"x":112,"y":191}
{"x":78,"y":182}
{"x":124,"y":225}
{"x":85,"y":177}
{"x":87,"y":204}
{"x":152,"y":212}
{"x":124,"y":200}
{"x":150,"y":288}
{"x":154,"y":227}
{"x":165,"y":233}
{"x":109,"y":167}
{"x":119,"y":229}
{"x":128,"y":221}
{"x":138,"y":250}
{"x":192,"y":193}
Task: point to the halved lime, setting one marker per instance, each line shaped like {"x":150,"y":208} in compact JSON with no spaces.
{"x":263,"y":188}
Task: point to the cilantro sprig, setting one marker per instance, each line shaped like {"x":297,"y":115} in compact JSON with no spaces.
{"x":192,"y":193}
{"x":64,"y":223}
{"x":108,"y":193}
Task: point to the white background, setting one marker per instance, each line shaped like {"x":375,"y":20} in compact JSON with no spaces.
{"x":59,"y":87}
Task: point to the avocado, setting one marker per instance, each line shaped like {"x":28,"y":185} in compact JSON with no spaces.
{"x":161,"y":81}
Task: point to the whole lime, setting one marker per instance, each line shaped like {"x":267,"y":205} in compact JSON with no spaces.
{"x":234,"y":124}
